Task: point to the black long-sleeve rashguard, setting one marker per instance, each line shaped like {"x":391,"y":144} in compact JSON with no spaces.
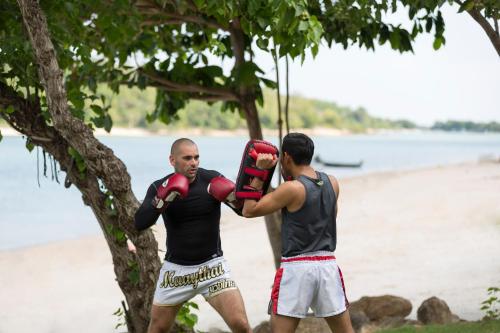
{"x":192,"y":223}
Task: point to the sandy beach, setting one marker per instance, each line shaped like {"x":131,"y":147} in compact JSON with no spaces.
{"x":415,"y":234}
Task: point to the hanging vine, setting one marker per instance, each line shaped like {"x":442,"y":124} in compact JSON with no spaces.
{"x":280,"y":120}
{"x":287,"y":121}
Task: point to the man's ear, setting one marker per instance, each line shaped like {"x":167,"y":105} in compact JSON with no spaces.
{"x":171,"y":160}
{"x":286,"y":158}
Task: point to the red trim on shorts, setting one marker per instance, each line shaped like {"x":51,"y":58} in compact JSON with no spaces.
{"x":315,"y":258}
{"x":343,"y":287}
{"x":276,"y":290}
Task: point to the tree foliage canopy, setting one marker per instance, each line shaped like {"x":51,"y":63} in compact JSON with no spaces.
{"x":168,"y":45}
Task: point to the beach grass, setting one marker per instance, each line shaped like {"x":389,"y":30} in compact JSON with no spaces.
{"x":489,"y":326}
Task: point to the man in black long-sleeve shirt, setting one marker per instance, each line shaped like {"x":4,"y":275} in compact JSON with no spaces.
{"x":193,"y":263}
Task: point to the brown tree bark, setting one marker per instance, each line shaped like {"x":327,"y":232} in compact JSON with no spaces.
{"x":247,"y":103}
{"x":102,"y":166}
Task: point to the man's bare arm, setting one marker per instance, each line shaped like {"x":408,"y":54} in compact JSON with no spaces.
{"x":271,"y":202}
{"x":336,"y":189}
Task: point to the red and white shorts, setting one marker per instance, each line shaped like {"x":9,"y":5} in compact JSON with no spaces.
{"x":308,"y":281}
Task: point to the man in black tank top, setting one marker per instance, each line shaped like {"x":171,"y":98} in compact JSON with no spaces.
{"x":189,"y":202}
{"x":309,"y":277}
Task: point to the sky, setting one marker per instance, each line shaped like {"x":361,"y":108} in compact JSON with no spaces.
{"x":460,"y":81}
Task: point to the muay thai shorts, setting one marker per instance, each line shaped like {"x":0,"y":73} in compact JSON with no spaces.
{"x":178,"y":283}
{"x":310,"y":281}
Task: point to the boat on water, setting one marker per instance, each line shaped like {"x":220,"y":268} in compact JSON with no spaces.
{"x":319,"y":160}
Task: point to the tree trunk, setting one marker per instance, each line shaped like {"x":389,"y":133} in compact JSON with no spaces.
{"x":136,"y":275}
{"x":273,"y":221}
{"x":247,"y":103}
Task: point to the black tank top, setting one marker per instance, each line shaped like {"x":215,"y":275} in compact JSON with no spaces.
{"x":313,"y":227}
{"x":192,"y":223}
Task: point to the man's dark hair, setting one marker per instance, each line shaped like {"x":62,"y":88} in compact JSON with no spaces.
{"x":299,"y":146}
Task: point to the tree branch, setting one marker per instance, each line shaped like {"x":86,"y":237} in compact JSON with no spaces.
{"x":206,"y":98}
{"x":98,"y":157}
{"x":198,"y":96}
{"x":153,"y":22}
{"x":146,"y":8}
{"x":172,"y":18}
{"x":237,"y":42}
{"x":221,"y":93}
{"x":246,"y":94}
{"x":491,"y":32}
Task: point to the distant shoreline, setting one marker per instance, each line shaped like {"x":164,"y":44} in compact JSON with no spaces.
{"x":141,"y":132}
{"x":124,"y":132}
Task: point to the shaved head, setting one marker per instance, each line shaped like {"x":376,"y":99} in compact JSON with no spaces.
{"x":184,"y":157}
{"x":179,"y":142}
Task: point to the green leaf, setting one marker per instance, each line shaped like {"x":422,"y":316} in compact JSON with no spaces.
{"x":262,"y":43}
{"x":466,"y":6}
{"x":428,"y":24}
{"x":193,"y":305}
{"x":414,"y":31}
{"x":80,"y":163}
{"x":262,"y":22}
{"x":108,"y":123}
{"x":204,"y":59}
{"x":120,"y":236}
{"x":190,"y":321}
{"x":395,"y":39}
{"x":78,"y":113}
{"x":269,"y":83}
{"x":98,"y":121}
{"x":438,"y":41}
{"x":151,"y":117}
{"x":412,"y":12}
{"x":76,"y":98}
{"x":1,"y":136}
{"x":317,"y":29}
{"x":134,"y":276}
{"x":9,"y":110}
{"x":109,"y":229}
{"x":92,"y":83}
{"x":384,"y":35}
{"x":213,"y":71}
{"x":97,"y":109}
{"x":141,"y":82}
{"x":185,"y":316}
{"x":315,"y":50}
{"x":303,"y":26}
{"x":29,"y":145}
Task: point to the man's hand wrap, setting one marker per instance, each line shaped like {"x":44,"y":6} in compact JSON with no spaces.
{"x":175,"y":186}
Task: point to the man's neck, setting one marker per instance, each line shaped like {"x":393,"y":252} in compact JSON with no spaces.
{"x":305,"y":170}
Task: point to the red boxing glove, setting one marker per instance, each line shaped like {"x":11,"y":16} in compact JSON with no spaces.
{"x":222,"y":189}
{"x":175,"y":186}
